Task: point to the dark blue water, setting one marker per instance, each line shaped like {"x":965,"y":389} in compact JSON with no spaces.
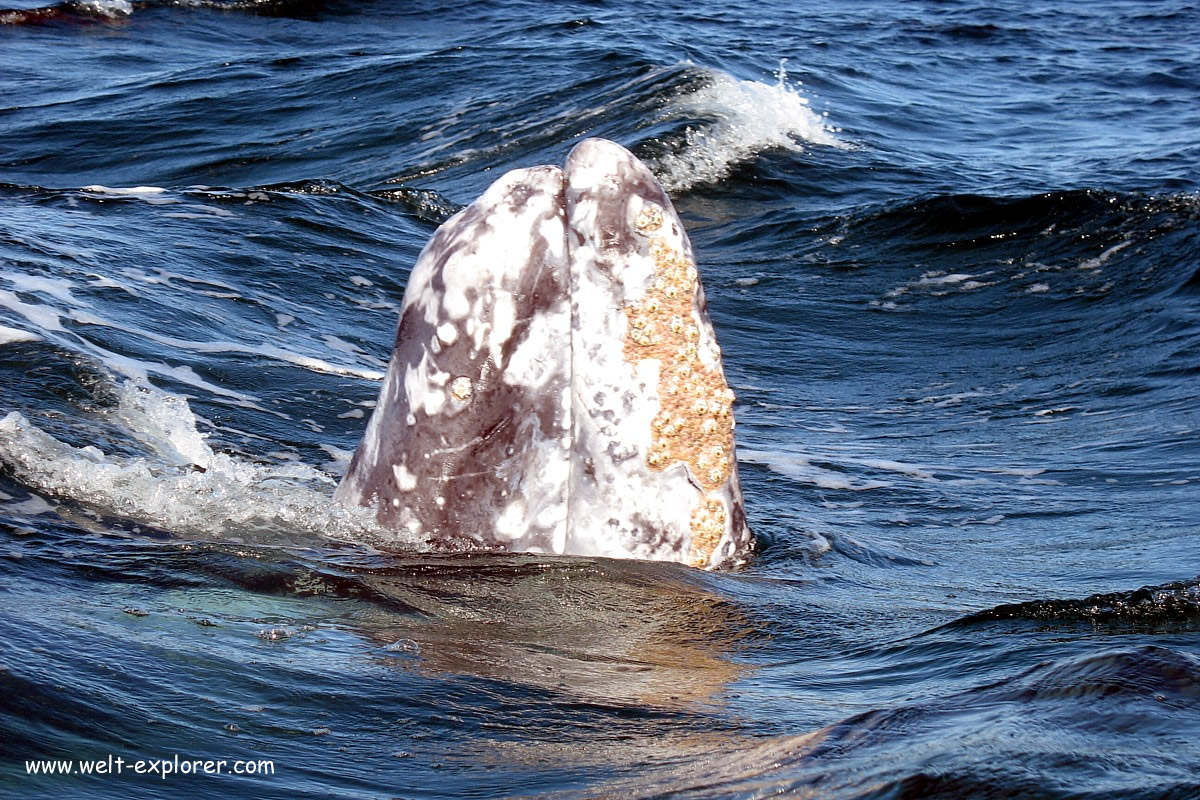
{"x":952,"y":253}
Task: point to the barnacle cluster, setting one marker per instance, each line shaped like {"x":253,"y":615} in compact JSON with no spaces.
{"x":694,"y":424}
{"x":708,"y":526}
{"x":461,"y":388}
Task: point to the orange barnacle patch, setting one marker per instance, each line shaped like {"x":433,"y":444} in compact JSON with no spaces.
{"x":695,"y":422}
{"x":708,"y":526}
{"x":649,"y":219}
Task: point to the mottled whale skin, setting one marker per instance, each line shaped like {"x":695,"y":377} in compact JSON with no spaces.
{"x":556,"y":384}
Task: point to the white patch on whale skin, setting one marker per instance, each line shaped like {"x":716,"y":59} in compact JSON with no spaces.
{"x":504,"y":317}
{"x":447,"y":333}
{"x":552,"y":234}
{"x":405,"y":480}
{"x":423,"y":386}
{"x":532,"y":364}
{"x":454,"y":301}
{"x":511,"y":522}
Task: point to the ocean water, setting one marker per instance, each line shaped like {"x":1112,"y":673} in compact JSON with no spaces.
{"x":952,"y":253}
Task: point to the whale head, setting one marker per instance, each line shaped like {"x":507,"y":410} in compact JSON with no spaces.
{"x":556,"y":384}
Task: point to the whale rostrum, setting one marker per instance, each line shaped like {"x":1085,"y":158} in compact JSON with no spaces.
{"x":556,"y":384}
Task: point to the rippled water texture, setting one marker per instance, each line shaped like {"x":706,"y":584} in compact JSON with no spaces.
{"x":952,"y":254}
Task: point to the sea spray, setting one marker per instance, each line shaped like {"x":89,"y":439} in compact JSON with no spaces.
{"x":744,"y":118}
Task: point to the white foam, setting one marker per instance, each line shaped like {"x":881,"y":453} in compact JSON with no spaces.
{"x":104,"y":282}
{"x":269,"y":351}
{"x":106,"y":8}
{"x":935,"y":279}
{"x":800,"y":469}
{"x":12,"y":335}
{"x":139,"y":370}
{"x":165,"y":422}
{"x":200,"y":211}
{"x":947,"y":400}
{"x":1100,"y":260}
{"x":42,"y":316}
{"x":129,"y":191}
{"x":32,"y":507}
{"x":340,"y":345}
{"x":940,"y":284}
{"x":887,"y":465}
{"x":749,"y":117}
{"x":181,"y":483}
{"x":48,"y":319}
{"x":181,"y":282}
{"x":340,"y":460}
{"x":317,"y":364}
{"x":1018,"y":472}
{"x":58,"y":288}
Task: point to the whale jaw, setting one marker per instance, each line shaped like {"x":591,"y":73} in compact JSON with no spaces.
{"x":556,"y":386}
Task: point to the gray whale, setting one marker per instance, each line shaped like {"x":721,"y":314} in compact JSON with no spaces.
{"x":556,"y":384}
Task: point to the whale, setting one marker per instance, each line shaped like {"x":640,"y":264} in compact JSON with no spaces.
{"x":555,"y":385}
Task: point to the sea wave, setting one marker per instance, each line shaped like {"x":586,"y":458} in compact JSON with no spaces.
{"x":178,"y":482}
{"x":967,"y":743}
{"x":1178,"y":601}
{"x":730,"y":121}
{"x":77,"y":9}
{"x":113,"y":10}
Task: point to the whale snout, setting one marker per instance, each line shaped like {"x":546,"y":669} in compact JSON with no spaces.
{"x":555,"y":384}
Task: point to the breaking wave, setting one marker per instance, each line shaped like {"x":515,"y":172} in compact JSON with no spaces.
{"x":736,"y":120}
{"x":178,"y":482}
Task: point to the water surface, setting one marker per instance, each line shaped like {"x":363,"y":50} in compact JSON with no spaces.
{"x":953,"y":257}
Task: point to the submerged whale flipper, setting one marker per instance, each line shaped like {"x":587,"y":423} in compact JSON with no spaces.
{"x":556,"y":385}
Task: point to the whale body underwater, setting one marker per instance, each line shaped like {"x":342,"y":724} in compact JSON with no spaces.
{"x":556,"y":385}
